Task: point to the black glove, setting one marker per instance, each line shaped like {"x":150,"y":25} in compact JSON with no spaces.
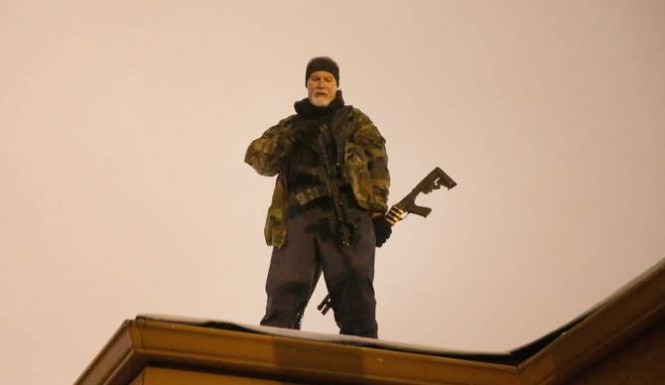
{"x":382,"y":229}
{"x":307,"y":135}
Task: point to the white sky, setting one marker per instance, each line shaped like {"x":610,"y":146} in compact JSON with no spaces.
{"x":123,"y":127}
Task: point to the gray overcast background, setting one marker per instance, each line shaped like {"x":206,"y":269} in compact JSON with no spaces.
{"x":123,"y":127}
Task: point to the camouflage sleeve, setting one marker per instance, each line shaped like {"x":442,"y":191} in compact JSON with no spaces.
{"x":374,"y":146}
{"x":267,"y":153}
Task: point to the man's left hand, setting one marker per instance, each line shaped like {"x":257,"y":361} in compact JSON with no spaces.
{"x":382,"y":229}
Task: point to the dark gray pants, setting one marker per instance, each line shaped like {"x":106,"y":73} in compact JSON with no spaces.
{"x":312,"y":247}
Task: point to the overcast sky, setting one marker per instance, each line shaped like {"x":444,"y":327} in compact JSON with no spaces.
{"x":123,"y":127}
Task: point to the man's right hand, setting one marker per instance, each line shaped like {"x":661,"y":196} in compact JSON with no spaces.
{"x":307,"y":136}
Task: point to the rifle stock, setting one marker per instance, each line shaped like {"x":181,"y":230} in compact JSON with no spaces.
{"x":433,"y":181}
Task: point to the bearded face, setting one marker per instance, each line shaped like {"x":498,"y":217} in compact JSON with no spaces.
{"x":321,"y":88}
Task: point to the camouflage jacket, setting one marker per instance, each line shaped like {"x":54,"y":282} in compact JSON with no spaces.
{"x":361,"y":157}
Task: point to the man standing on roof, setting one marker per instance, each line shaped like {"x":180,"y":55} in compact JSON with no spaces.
{"x":328,"y":206}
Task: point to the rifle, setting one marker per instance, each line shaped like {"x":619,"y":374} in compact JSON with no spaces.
{"x":433,"y":181}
